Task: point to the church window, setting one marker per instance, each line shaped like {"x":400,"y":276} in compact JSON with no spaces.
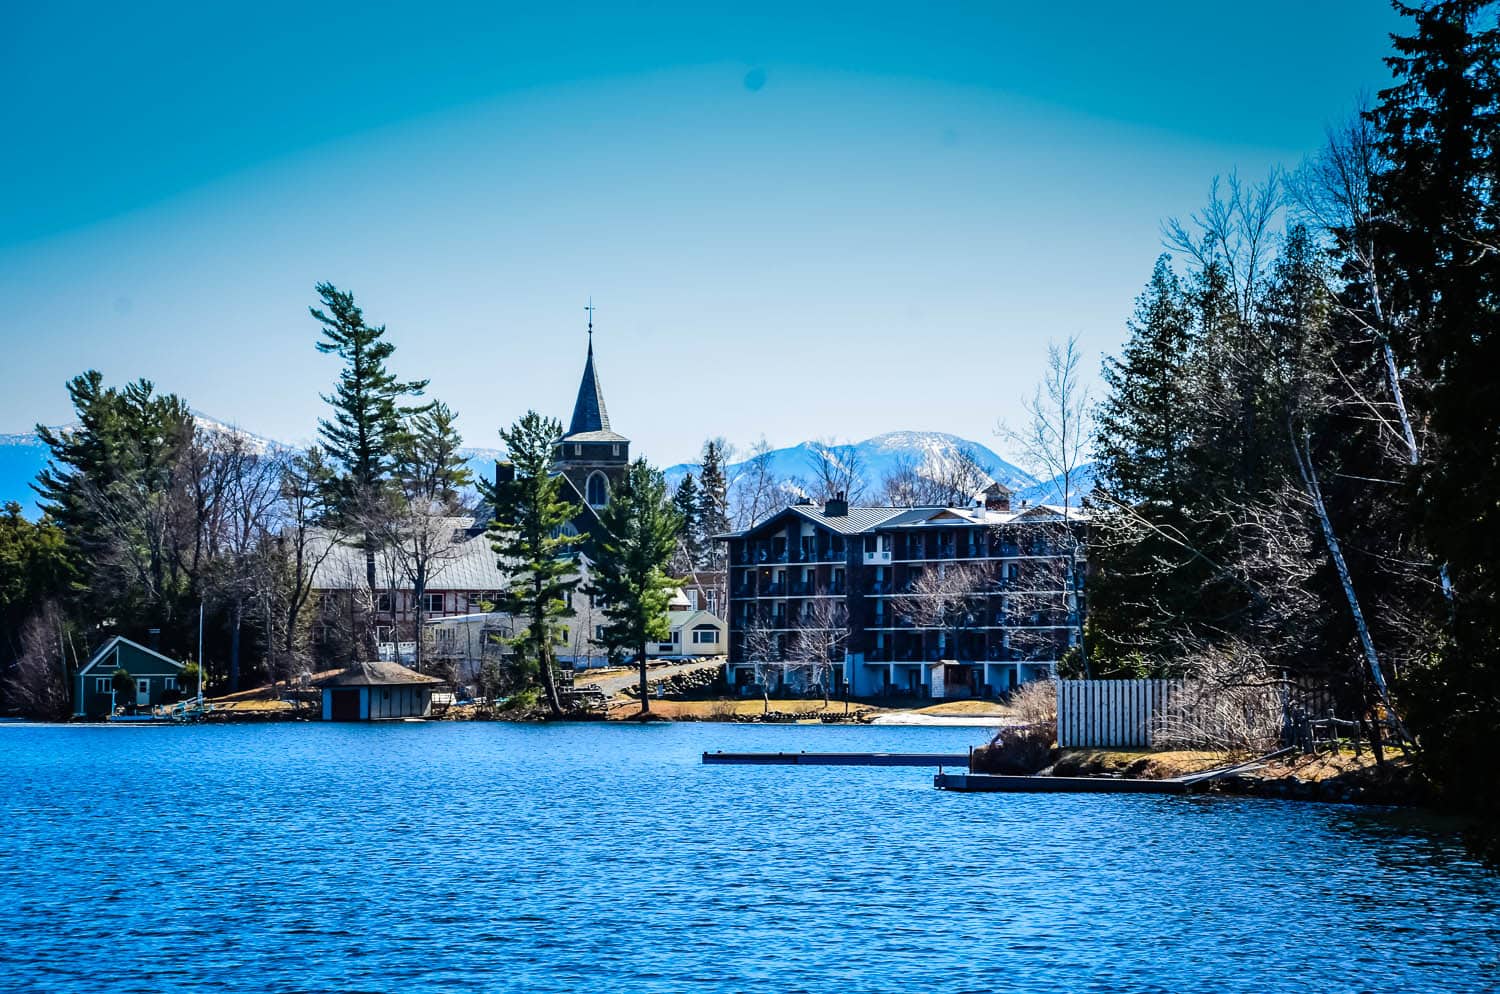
{"x":598,"y":490}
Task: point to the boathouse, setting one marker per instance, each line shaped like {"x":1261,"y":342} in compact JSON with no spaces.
{"x":156,"y":677}
{"x":377,"y":691}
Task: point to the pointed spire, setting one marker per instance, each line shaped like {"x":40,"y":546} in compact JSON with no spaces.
{"x":589,"y":412}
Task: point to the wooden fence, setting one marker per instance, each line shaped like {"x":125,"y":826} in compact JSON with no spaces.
{"x":1117,"y":714}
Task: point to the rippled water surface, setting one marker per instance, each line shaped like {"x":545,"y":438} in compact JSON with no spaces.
{"x":491,"y":857}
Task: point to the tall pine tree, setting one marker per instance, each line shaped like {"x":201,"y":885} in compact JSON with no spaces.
{"x":686,"y":499}
{"x":713,"y":503}
{"x":361,"y":437}
{"x":118,"y":486}
{"x":536,"y":546}
{"x":640,"y":526}
{"x":1440,"y":125}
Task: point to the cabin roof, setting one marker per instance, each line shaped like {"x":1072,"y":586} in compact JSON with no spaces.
{"x":109,"y":647}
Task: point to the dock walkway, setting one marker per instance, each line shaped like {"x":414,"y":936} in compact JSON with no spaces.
{"x":995,"y":783}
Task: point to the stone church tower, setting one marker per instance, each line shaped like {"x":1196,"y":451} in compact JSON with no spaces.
{"x":590,"y":454}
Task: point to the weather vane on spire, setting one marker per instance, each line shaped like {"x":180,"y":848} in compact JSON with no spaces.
{"x":590,"y":309}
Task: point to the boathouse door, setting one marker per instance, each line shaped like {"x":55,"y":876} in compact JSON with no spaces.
{"x":142,"y":693}
{"x":345,"y":705}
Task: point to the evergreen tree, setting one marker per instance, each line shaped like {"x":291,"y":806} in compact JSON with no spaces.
{"x":34,"y":568}
{"x":1142,"y":424}
{"x":687,"y":500}
{"x":429,"y":476}
{"x":1440,"y":126}
{"x":118,"y":486}
{"x":713,"y":503}
{"x":1142,"y":506}
{"x":428,"y":464}
{"x":640,"y":526}
{"x":536,"y":546}
{"x":362,"y":436}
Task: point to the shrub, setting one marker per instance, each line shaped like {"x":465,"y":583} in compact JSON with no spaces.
{"x":1025,"y":747}
{"x":1035,"y":703}
{"x":1017,"y":750}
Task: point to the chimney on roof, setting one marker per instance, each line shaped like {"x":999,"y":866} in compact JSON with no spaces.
{"x":836,"y":506}
{"x":505,"y":472}
{"x":996,"y":497}
{"x":154,"y":639}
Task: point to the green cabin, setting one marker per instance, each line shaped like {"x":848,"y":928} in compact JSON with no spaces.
{"x":157,"y":679}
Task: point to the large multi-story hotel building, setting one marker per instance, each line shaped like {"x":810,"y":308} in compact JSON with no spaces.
{"x":936,"y":601}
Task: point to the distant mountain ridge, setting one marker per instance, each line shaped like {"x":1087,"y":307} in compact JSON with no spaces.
{"x":23,"y":456}
{"x":929,"y":453}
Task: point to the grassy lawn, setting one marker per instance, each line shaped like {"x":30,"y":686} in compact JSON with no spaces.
{"x":966,"y":707}
{"x":1139,"y":763}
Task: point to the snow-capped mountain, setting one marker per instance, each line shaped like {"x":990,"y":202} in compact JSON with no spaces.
{"x":930,"y":453}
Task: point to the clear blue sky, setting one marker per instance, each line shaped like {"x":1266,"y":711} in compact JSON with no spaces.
{"x":794,"y":222}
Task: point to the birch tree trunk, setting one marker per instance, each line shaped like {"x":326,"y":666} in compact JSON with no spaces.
{"x":1302,"y":454}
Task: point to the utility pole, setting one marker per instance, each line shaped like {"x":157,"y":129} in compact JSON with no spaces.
{"x":200,"y":654}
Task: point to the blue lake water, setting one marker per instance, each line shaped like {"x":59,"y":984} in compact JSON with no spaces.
{"x":493,"y":857}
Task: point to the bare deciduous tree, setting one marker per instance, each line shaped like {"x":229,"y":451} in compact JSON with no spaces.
{"x":37,"y":685}
{"x":1054,"y":443}
{"x":820,"y":639}
{"x":947,"y":597}
{"x":837,"y":470}
{"x":758,"y":492}
{"x":760,"y":645}
{"x":951,"y":481}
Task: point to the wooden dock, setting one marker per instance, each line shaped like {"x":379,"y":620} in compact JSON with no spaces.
{"x":959,"y":759}
{"x":977,"y":783}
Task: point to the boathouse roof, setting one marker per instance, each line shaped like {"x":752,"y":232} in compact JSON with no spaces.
{"x":377,"y":674}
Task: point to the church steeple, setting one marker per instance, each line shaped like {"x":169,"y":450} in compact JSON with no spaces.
{"x":589,"y":412}
{"x":591,"y":455}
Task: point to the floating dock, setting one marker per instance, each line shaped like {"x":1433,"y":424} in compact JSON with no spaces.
{"x":959,"y":759}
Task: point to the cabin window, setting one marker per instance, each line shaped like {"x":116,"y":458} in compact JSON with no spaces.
{"x":705,"y":636}
{"x":170,"y":683}
{"x":384,"y":603}
{"x":103,"y":684}
{"x":432,"y":602}
{"x":614,"y":450}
